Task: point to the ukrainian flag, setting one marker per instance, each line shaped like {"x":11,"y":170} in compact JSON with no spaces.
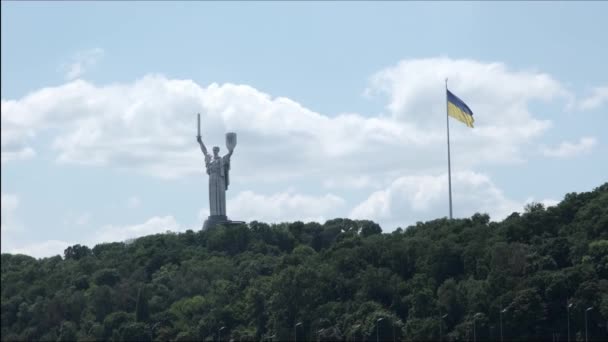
{"x":459,"y":110}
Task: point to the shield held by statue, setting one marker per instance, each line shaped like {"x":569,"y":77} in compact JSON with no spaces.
{"x":230,"y":141}
{"x":230,"y":145}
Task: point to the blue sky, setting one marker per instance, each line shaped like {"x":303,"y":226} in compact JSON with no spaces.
{"x":338,"y":107}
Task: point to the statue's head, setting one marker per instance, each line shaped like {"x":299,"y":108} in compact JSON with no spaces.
{"x":216,"y":150}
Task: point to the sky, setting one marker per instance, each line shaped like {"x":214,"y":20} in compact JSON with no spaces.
{"x":339,"y":110}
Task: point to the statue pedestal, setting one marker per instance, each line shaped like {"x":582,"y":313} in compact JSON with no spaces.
{"x":214,"y":220}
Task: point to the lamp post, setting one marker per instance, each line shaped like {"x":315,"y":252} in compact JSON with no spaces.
{"x":588,"y":309}
{"x":475,"y":326}
{"x":295,"y":331}
{"x":501,"y":312}
{"x":569,"y":306}
{"x":219,"y":333}
{"x":319,"y":334}
{"x":441,"y":327}
{"x":377,"y":328}
{"x":355,"y":328}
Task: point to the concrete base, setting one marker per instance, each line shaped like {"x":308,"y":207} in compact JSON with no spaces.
{"x":214,"y":220}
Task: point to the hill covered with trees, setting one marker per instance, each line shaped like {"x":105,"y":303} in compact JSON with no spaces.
{"x":342,"y":280}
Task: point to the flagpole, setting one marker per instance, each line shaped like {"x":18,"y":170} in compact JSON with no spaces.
{"x":447,"y":120}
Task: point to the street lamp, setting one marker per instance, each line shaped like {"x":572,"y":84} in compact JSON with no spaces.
{"x":295,"y":331}
{"x":319,"y":334}
{"x":501,"y":312}
{"x":377,"y":327}
{"x":475,"y":326}
{"x":355,"y":329}
{"x":588,"y":309}
{"x":569,"y":306}
{"x":219,"y":333}
{"x":441,"y":327}
{"x":394,"y":334}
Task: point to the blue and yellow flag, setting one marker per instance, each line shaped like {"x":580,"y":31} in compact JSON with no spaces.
{"x":459,"y":110}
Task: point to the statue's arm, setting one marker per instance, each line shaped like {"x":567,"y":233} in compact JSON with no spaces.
{"x":202,"y":145}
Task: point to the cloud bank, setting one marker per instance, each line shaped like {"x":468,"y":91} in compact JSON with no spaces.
{"x":388,"y":167}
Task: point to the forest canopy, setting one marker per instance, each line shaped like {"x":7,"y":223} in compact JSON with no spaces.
{"x":531,"y":276}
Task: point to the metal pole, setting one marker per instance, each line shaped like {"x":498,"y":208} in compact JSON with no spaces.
{"x":501,"y":312}
{"x":474,"y":329}
{"x":356,"y":327}
{"x":219,"y":333}
{"x":501,"y":326}
{"x":441,"y":318}
{"x":447,"y":120}
{"x":586,"y":339}
{"x":588,"y":309}
{"x":377,"y":328}
{"x":295,"y":331}
{"x":568,"y":307}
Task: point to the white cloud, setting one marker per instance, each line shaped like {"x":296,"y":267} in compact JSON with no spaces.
{"x":42,"y":249}
{"x":416,"y":88}
{"x":155,"y":225}
{"x":421,"y":197}
{"x":547,"y":202}
{"x":351,"y":182}
{"x":570,"y":149}
{"x":598,"y":97}
{"x":9,"y":204}
{"x":149,"y":125}
{"x":82,"y":61}
{"x":107,"y":233}
{"x":499,"y":98}
{"x":20,"y":154}
{"x":15,"y":133}
{"x":283,"y":207}
{"x":10,"y":224}
{"x":133,"y":202}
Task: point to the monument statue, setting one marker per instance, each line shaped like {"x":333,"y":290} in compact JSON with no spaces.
{"x":218,"y":169}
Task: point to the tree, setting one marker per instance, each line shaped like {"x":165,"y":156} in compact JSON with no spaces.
{"x":142,"y":313}
{"x":67,"y":331}
{"x":135,"y":331}
{"x":108,"y":276}
{"x":369,"y":228}
{"x":343,"y":279}
{"x":76,"y":252}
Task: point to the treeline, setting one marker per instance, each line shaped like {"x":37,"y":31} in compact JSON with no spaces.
{"x":532,"y":276}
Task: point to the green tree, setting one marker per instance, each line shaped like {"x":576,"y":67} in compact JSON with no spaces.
{"x":343,"y":279}
{"x":67,"y":331}
{"x":142,"y":313}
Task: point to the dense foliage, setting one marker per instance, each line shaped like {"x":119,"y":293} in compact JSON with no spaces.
{"x":343,"y":280}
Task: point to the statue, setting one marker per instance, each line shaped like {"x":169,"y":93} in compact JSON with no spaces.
{"x":218,"y":169}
